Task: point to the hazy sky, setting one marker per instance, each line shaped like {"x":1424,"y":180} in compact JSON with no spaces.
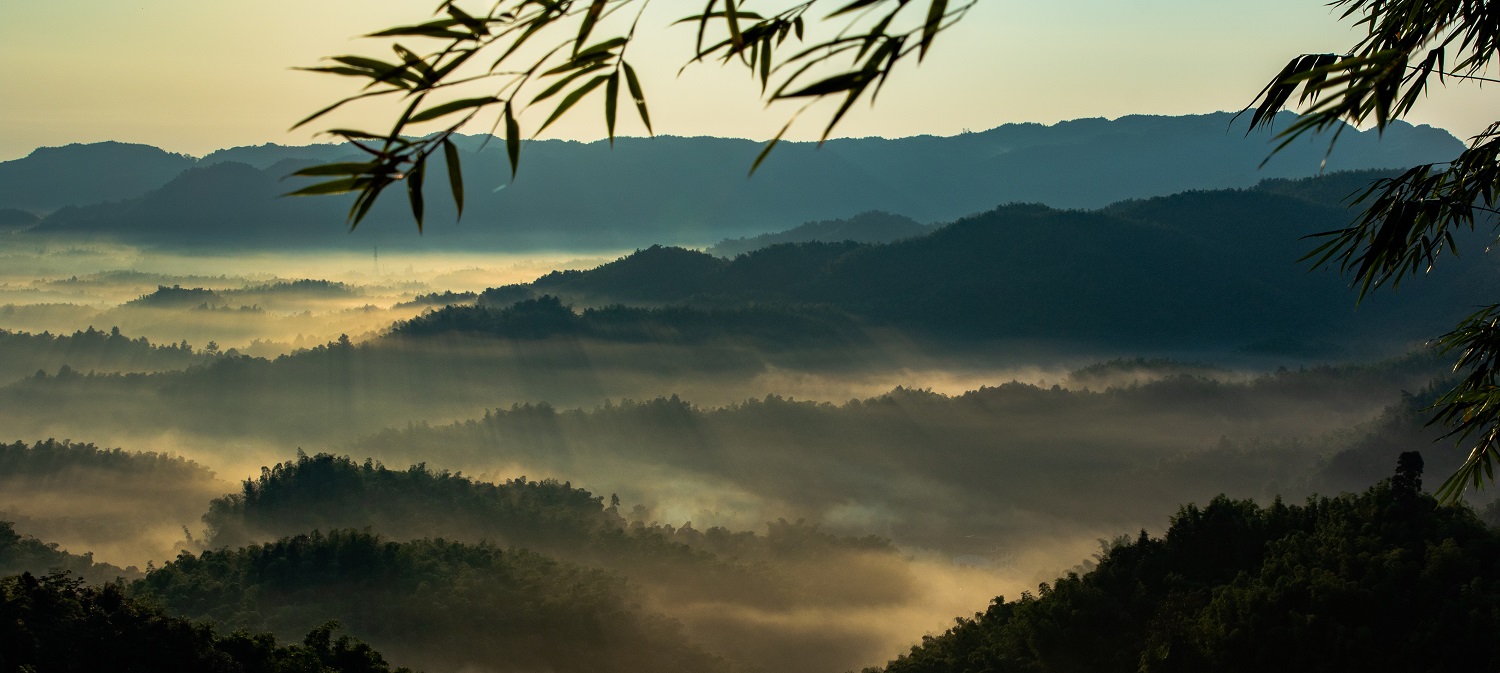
{"x":192,"y":76}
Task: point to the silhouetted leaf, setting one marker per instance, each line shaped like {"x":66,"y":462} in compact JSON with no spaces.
{"x":636,"y":94}
{"x":455,"y":174}
{"x":572,"y":98}
{"x":452,"y":107}
{"x":611,"y":96}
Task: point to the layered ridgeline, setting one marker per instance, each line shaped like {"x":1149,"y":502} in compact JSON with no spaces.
{"x":1198,"y":270}
{"x":452,"y":573}
{"x":325,"y":492}
{"x":1383,"y":580}
{"x":686,"y":191}
{"x":872,"y":226}
{"x":718,"y":582}
{"x":434,"y":604}
{"x":24,"y":353}
{"x":25,"y":553}
{"x":991,"y":473}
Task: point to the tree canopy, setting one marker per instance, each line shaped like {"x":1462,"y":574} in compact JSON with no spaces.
{"x":1383,"y":580}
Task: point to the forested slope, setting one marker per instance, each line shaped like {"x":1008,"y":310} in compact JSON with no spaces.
{"x":1384,"y":580}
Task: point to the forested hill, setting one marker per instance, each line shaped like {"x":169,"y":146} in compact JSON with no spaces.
{"x":868,"y":227}
{"x":1381,"y":581}
{"x":1206,"y":268}
{"x":52,"y":177}
{"x":436,"y":604}
{"x":693,"y":191}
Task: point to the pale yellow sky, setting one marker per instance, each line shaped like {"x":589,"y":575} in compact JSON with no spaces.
{"x":192,"y":76}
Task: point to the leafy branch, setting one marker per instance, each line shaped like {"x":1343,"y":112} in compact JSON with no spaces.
{"x":1408,"y":221}
{"x":547,"y":54}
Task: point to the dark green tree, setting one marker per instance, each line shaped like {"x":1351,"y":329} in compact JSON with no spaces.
{"x":1383,"y":580}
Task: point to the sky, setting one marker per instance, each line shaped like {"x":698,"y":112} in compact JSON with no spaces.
{"x":191,"y":76}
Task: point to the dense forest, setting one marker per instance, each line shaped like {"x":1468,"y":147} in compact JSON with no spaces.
{"x":24,"y":353}
{"x":437,"y":604}
{"x":55,"y":622}
{"x":1381,"y":580}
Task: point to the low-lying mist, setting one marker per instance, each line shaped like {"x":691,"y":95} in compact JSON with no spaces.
{"x":257,"y":305}
{"x":791,"y":502}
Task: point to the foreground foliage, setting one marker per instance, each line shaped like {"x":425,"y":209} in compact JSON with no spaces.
{"x":1410,"y":220}
{"x":57,"y":623}
{"x":1383,"y":580}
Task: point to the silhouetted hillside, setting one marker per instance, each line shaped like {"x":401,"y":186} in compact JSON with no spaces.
{"x":14,"y":219}
{"x":23,"y":354}
{"x":52,"y":177}
{"x":229,"y":204}
{"x":1202,"y":268}
{"x":773,"y":327}
{"x":24,"y":553}
{"x":431,"y":603}
{"x":126,"y":506}
{"x":867,"y":227}
{"x":1384,"y":580}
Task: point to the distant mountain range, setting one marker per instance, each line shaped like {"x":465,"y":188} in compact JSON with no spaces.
{"x":685,"y":191}
{"x":53,"y":177}
{"x":1203,"y":268}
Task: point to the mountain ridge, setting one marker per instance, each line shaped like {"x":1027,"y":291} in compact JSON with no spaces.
{"x":693,"y":191}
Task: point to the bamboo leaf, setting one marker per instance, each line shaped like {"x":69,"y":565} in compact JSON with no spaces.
{"x":840,"y":82}
{"x":590,"y":17}
{"x":930,"y":29}
{"x":708,"y":11}
{"x":572,"y":98}
{"x":340,"y":186}
{"x":732,"y":18}
{"x":340,"y":168}
{"x":637,"y":95}
{"x":766,"y":151}
{"x":561,"y":84}
{"x":853,"y":7}
{"x":451,"y":107}
{"x":577,"y":62}
{"x":339,"y":104}
{"x":512,"y":141}
{"x":414,"y":191}
{"x":611,"y":97}
{"x":455,"y":174}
